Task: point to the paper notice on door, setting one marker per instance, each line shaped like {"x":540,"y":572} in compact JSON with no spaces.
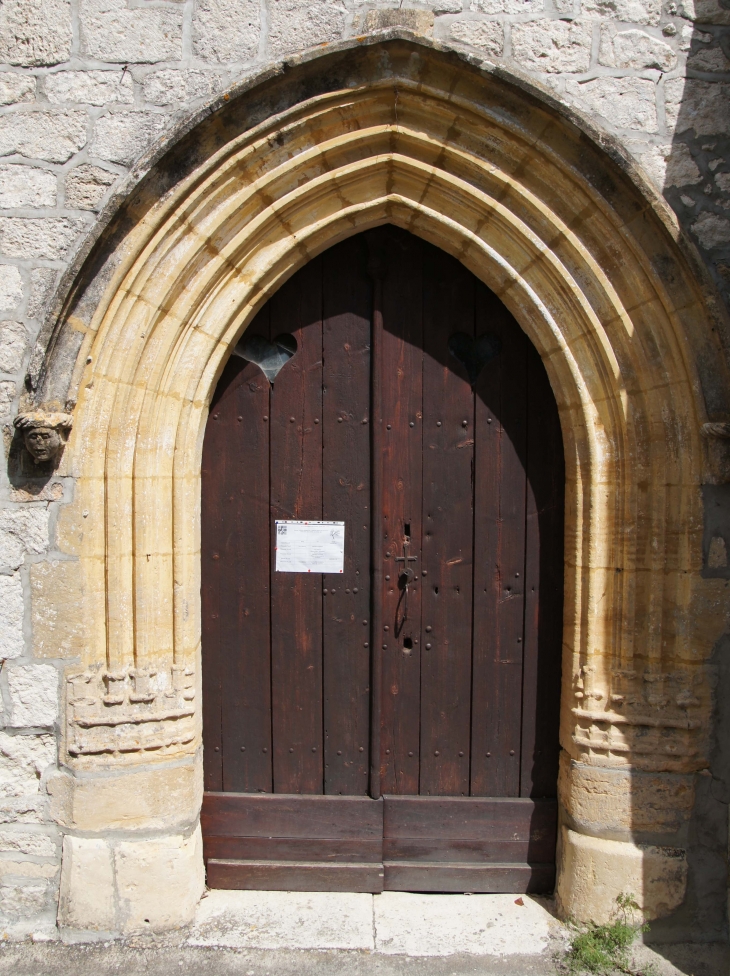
{"x":310,"y":547}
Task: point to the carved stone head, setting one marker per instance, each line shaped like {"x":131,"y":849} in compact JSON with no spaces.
{"x":44,"y":434}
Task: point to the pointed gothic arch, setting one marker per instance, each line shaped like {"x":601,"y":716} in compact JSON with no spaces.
{"x":590,"y":263}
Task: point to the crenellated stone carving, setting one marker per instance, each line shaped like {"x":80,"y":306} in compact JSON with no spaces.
{"x":129,"y":710}
{"x":649,"y":718}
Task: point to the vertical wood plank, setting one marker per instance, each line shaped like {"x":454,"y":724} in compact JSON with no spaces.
{"x":499,"y":546}
{"x":212,"y":526}
{"x":402,"y":454}
{"x":244,"y":589}
{"x":235,"y":590}
{"x":347,"y":301}
{"x":448,"y":530}
{"x":296,"y":493}
{"x":543,"y":586}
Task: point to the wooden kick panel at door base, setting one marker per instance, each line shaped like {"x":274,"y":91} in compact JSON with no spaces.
{"x":321,"y":843}
{"x":443,"y":456}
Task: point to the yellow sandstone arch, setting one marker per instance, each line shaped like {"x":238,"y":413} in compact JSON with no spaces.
{"x":589,"y":262}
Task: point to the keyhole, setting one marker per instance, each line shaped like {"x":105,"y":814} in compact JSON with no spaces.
{"x":407,"y":530}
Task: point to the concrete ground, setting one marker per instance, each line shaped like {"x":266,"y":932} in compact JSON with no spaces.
{"x":251,"y":933}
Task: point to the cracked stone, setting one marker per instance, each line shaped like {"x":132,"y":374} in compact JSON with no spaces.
{"x":487,"y":36}
{"x":553,"y":45}
{"x":86,"y":186}
{"x":634,"y":49}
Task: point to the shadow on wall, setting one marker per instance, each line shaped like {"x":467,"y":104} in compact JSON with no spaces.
{"x":697,"y":185}
{"x":697,"y":106}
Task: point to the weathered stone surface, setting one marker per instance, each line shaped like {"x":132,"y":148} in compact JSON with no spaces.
{"x":410,"y":924}
{"x":56,"y":609}
{"x":38,"y":237}
{"x":487,"y":36}
{"x":715,"y":60}
{"x":111,"y":31}
{"x":87,"y":885}
{"x":706,"y":11}
{"x":89,"y":87}
{"x":42,"y":285}
{"x":33,"y":695}
{"x":626,"y":11}
{"x":417,"y":21}
{"x":11,"y":287}
{"x":35,"y":32}
{"x":507,"y":6}
{"x":86,"y":186}
{"x":124,"y":136}
{"x":671,"y":165}
{"x":12,"y":611}
{"x":712,"y":230}
{"x":15,"y":87}
{"x":13,"y":342}
{"x":627,"y":103}
{"x":655,"y":876}
{"x":635,"y":49}
{"x":723,"y":181}
{"x":15,"y":870}
{"x":23,"y":186}
{"x":22,"y":530}
{"x":159,"y":882}
{"x":296,"y":24}
{"x":23,"y":760}
{"x":169,"y":85}
{"x":54,"y":137}
{"x":226,"y":30}
{"x":7,"y":395}
{"x":150,"y":798}
{"x":604,"y":801}
{"x":553,"y":45}
{"x":698,"y":105}
{"x":36,"y":843}
{"x":20,"y":899}
{"x":322,"y":919}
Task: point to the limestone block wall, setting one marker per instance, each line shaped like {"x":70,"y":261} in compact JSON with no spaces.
{"x":88,"y":86}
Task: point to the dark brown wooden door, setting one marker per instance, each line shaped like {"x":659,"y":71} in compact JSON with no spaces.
{"x":395,"y":725}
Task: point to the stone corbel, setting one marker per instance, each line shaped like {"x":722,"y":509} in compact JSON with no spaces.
{"x":44,"y":435}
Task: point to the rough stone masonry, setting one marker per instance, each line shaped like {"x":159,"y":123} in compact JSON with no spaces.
{"x":87,"y":86}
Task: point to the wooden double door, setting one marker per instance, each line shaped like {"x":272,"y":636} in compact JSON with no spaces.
{"x":394,"y":725}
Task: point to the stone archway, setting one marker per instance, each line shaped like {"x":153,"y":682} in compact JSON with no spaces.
{"x":589,"y":263}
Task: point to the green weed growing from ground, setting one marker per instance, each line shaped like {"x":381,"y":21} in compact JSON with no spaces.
{"x":605,"y":949}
